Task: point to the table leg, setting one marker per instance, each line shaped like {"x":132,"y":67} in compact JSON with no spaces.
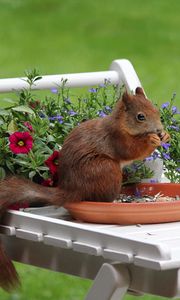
{"x":111,"y":283}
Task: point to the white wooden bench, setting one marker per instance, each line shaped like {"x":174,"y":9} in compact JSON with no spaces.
{"x":120,"y":259}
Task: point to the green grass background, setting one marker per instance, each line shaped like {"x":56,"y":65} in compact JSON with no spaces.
{"x":66,"y":36}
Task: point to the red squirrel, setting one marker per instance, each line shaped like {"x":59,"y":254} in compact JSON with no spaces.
{"x":91,"y":162}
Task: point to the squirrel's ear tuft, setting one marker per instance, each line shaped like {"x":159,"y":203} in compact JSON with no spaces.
{"x":126,"y":98}
{"x":140,"y":91}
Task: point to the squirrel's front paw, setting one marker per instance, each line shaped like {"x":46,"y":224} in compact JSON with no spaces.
{"x":154,"y":140}
{"x":165,"y":137}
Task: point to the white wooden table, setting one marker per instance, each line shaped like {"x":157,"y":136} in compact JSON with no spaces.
{"x":142,"y":258}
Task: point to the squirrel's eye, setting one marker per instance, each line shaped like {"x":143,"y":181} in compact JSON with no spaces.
{"x":141,"y":117}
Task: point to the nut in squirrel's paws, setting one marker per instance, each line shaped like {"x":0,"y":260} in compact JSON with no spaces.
{"x":154,"y":139}
{"x":165,"y":137}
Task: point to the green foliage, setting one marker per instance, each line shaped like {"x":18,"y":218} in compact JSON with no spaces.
{"x":170,"y":152}
{"x":135,"y":172}
{"x":46,"y":123}
{"x":32,"y":76}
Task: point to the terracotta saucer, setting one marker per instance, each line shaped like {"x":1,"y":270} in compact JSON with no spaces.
{"x":131,"y":213}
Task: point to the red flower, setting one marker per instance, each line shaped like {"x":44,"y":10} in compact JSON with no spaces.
{"x":17,"y":206}
{"x":47,"y":182}
{"x":34,"y":104}
{"x":52,"y":162}
{"x":20,"y":142}
{"x":28,"y":125}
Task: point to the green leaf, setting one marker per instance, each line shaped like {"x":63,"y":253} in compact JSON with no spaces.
{"x":43,"y":168}
{"x":50,"y":138}
{"x":37,"y":78}
{"x":12,"y":126}
{"x":32,"y":174}
{"x":23,"y":108}
{"x":10,"y":166}
{"x":2,"y":173}
{"x":4,"y":112}
{"x":21,"y":162}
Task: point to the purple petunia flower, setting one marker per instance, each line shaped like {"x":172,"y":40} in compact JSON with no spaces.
{"x":166,"y":156}
{"x":165,"y":105}
{"x":72,"y":113}
{"x":154,"y":180}
{"x":41,"y":115}
{"x":137,"y":193}
{"x":54,"y":90}
{"x":178,"y":170}
{"x":58,"y":118}
{"x":153,"y":156}
{"x":101,"y":114}
{"x":165,"y":145}
{"x":102,"y":85}
{"x":93,"y":90}
{"x":174,"y":109}
{"x":107,"y":107}
{"x":174,"y":127}
{"x":149,"y":158}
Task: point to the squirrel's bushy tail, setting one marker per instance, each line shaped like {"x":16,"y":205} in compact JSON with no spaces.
{"x":18,"y":190}
{"x":9,"y":278}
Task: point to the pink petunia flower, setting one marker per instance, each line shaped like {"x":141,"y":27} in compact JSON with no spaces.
{"x":28,"y":125}
{"x":52,"y":162}
{"x":20,"y":142}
